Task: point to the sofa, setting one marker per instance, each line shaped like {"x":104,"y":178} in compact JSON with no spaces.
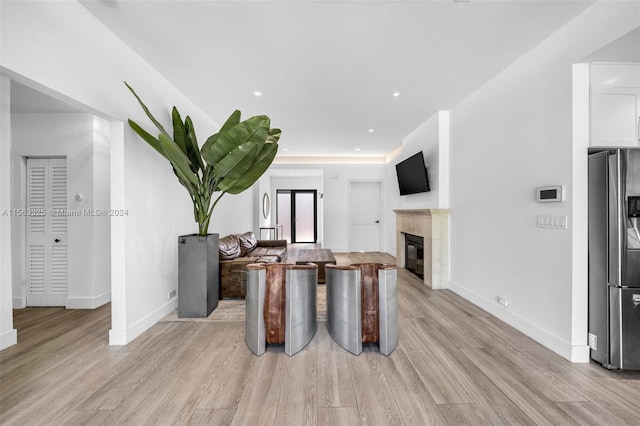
{"x":239,"y":250}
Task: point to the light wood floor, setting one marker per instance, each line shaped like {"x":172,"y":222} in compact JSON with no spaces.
{"x":455,"y":364}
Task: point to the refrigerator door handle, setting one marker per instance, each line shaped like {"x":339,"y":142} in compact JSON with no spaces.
{"x":614,"y":212}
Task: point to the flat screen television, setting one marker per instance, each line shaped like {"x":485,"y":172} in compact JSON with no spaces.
{"x":412,"y":175}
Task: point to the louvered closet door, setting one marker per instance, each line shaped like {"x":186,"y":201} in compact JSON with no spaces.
{"x":46,"y":232}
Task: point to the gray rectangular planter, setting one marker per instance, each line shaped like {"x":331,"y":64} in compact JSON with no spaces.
{"x":197,"y":275}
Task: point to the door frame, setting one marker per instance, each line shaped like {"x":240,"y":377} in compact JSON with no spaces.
{"x":380,"y":211}
{"x":293,"y":212}
{"x":24,"y":182}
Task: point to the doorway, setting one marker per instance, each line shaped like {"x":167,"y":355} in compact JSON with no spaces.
{"x":297,"y":211}
{"x":46,"y":265}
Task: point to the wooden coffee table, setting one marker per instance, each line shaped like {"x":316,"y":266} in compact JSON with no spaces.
{"x":318,"y":256}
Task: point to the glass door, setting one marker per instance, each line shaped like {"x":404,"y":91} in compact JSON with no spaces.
{"x":297,"y":211}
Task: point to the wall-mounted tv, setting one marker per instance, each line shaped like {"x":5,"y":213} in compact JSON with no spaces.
{"x":412,"y":175}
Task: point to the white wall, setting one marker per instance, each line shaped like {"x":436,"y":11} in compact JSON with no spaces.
{"x":8,"y":335}
{"x":432,"y":138}
{"x":71,"y":136}
{"x":511,"y":136}
{"x":70,"y":55}
{"x":425,"y":138}
{"x":101,"y":281}
{"x":335,"y":187}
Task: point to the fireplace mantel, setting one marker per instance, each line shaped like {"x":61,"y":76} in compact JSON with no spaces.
{"x":433,"y":226}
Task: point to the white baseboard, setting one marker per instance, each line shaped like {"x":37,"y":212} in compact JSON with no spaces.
{"x":88,"y":302}
{"x":126,"y":336}
{"x":19,"y":303}
{"x":580,"y":353}
{"x":8,"y":338}
{"x":573,"y":353}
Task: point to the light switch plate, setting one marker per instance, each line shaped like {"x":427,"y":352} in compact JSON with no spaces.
{"x":554,"y":222}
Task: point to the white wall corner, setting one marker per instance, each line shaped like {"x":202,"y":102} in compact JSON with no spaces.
{"x":8,"y":338}
{"x":8,"y":335}
{"x":127,"y":335}
{"x":444,"y":142}
{"x":118,"y":241}
{"x":19,"y":302}
{"x":579,"y":207}
{"x":580,"y":354}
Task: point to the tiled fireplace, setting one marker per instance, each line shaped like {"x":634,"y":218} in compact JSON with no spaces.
{"x":433,"y":226}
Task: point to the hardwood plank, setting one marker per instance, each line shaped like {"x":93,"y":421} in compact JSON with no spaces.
{"x":142,"y":367}
{"x":23,"y":376}
{"x":410,"y":290}
{"x":158,"y":377}
{"x":259,"y":400}
{"x":338,"y":416}
{"x":227,"y":384}
{"x":530,"y":371}
{"x":459,"y":305}
{"x":495,"y":405}
{"x":439,"y":372}
{"x":412,"y":397}
{"x":298,"y":402}
{"x":605,"y":388}
{"x":184,"y":391}
{"x":528,"y":399}
{"x":335,"y":387}
{"x":463,"y":414}
{"x":227,"y":336}
{"x":81,"y":418}
{"x":587,"y":413}
{"x":376,"y":403}
{"x":211,"y":417}
{"x":460,"y":336}
{"x":61,"y":393}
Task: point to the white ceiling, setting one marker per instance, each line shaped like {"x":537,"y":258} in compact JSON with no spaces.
{"x":327,"y":70}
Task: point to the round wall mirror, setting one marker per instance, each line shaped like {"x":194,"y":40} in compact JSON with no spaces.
{"x":266,"y":206}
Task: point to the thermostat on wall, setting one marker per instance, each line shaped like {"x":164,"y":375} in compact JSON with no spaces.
{"x":550,"y":194}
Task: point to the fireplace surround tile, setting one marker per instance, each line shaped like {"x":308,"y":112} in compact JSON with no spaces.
{"x":433,"y":226}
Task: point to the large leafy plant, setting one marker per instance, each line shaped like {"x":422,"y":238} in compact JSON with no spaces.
{"x":230,"y":161}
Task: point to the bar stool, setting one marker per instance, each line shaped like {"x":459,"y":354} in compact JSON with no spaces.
{"x":280,"y":306}
{"x":362,"y":306}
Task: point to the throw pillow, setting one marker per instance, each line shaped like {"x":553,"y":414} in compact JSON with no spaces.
{"x":247,"y":242}
{"x":229,"y":247}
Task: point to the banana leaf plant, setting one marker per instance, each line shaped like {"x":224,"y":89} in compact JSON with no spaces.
{"x":230,"y":161}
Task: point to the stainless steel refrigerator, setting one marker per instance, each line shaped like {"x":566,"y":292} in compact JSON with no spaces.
{"x":614,"y":258}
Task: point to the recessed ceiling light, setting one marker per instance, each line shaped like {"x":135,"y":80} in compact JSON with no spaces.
{"x":396,"y":94}
{"x":285,"y":149}
{"x":257,"y":93}
{"x":372,"y":130}
{"x":357,"y":149}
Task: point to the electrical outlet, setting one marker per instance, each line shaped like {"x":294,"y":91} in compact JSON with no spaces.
{"x":593,"y":341}
{"x":172,"y":293}
{"x":503,"y":301}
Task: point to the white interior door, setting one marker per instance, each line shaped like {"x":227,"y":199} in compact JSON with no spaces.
{"x":46,"y":232}
{"x":365,"y":216}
